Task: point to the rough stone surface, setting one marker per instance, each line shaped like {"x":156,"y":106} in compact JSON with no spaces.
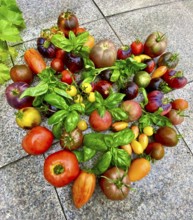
{"x":166,"y":193}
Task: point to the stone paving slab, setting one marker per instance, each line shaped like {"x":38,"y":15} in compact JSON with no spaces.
{"x":115,"y":7}
{"x":40,"y":14}
{"x":164,"y":194}
{"x":24,"y":194}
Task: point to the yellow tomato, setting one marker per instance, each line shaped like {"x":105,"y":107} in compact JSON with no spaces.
{"x":148,"y":130}
{"x":86,"y":87}
{"x":82,"y":125}
{"x":91,"y":97}
{"x":71,"y":90}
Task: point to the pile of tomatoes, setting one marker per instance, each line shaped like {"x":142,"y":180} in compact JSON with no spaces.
{"x":104,"y":83}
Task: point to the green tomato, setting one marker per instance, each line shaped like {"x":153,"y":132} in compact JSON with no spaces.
{"x":142,"y":79}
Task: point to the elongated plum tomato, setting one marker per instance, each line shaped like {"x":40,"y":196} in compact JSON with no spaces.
{"x":99,"y":123}
{"x":103,"y":54}
{"x":115,"y":184}
{"x":61,"y":168}
{"x":13,"y":92}
{"x":38,"y":140}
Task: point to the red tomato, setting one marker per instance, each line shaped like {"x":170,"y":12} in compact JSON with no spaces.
{"x":137,"y":47}
{"x":57,"y":64}
{"x":61,"y":168}
{"x":60,"y":54}
{"x":180,"y":104}
{"x":67,"y":77}
{"x":38,"y":140}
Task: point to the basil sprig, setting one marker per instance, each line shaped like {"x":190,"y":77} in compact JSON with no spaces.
{"x":107,"y":145}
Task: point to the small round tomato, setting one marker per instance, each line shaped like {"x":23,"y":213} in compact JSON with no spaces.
{"x":90,"y":42}
{"x":61,"y":168}
{"x":57,"y":64}
{"x":82,"y":125}
{"x":86,"y":87}
{"x":155,"y":150}
{"x":67,"y":21}
{"x":137,"y":47}
{"x":28,"y":117}
{"x":139,"y":168}
{"x":67,"y":77}
{"x":21,"y":73}
{"x":91,"y":97}
{"x":80,"y":30}
{"x":60,"y":54}
{"x":99,"y":123}
{"x":78,"y":98}
{"x":115,"y":184}
{"x":148,"y":130}
{"x":180,"y":104}
{"x":38,"y":140}
{"x":142,"y":79}
{"x":71,"y":140}
{"x":175,"y":116}
{"x":167,"y":136}
{"x":71,"y":90}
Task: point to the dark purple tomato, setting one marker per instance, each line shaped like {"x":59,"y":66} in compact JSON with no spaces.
{"x":166,"y":136}
{"x":13,"y":92}
{"x":106,"y":75}
{"x":124,"y":52}
{"x":57,"y":64}
{"x":150,"y":65}
{"x":21,"y":73}
{"x":46,"y":48}
{"x":130,"y":91}
{"x":115,"y":184}
{"x":103,"y":87}
{"x":73,"y":62}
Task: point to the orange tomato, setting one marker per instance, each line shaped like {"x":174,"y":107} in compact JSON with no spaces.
{"x":90,"y":42}
{"x":159,"y":72}
{"x":180,"y":104}
{"x":80,"y":30}
{"x":34,"y":60}
{"x":139,"y":168}
{"x":135,"y":130}
{"x":83,"y":188}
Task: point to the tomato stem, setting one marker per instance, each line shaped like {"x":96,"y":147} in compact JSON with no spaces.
{"x":58,"y":169}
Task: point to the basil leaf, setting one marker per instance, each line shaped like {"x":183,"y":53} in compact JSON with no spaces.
{"x":84,"y":154}
{"x":118,"y":114}
{"x":57,"y":117}
{"x":56,"y":100}
{"x":57,"y":129}
{"x":99,"y":98}
{"x":103,"y":163}
{"x":115,"y":75}
{"x":95,"y":141}
{"x":71,"y":121}
{"x":38,"y":90}
{"x":123,"y":137}
{"x":89,"y":107}
{"x":113,"y":100}
{"x":101,"y":110}
{"x":120,"y":158}
{"x":62,"y":93}
{"x":38,"y":100}
{"x":62,"y":42}
{"x":77,"y":107}
{"x":109,"y":140}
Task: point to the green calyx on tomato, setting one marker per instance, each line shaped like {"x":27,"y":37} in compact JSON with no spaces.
{"x":58,"y":169}
{"x":160,"y":37}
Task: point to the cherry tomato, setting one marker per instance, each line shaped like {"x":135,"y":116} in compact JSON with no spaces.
{"x":82,"y":125}
{"x":180,"y":104}
{"x":67,"y":77}
{"x":86,"y":87}
{"x":57,"y":64}
{"x":21,"y":73}
{"x":71,"y":90}
{"x":61,"y":168}
{"x":71,"y":140}
{"x":136,"y":147}
{"x":78,"y":98}
{"x":155,"y":150}
{"x":176,"y":117}
{"x":137,"y":47}
{"x":139,"y":168}
{"x":38,"y":140}
{"x":90,"y":42}
{"x":148,"y":130}
{"x":60,"y":54}
{"x":124,"y":52}
{"x":80,"y":30}
{"x":150,"y":65}
{"x":115,"y":184}
{"x":91,"y":97}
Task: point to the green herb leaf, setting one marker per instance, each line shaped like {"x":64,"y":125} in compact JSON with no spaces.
{"x":103,"y":163}
{"x":113,"y":100}
{"x":84,"y":154}
{"x":123,"y":137}
{"x":56,"y":100}
{"x":115,"y":75}
{"x":62,"y":93}
{"x":95,"y":141}
{"x":38,"y":90}
{"x":71,"y":121}
{"x":57,"y":129}
{"x":62,"y":42}
{"x":120,"y":158}
{"x":38,"y":101}
{"x":57,"y":117}
{"x":118,"y":114}
{"x":4,"y":73}
{"x":77,"y":107}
